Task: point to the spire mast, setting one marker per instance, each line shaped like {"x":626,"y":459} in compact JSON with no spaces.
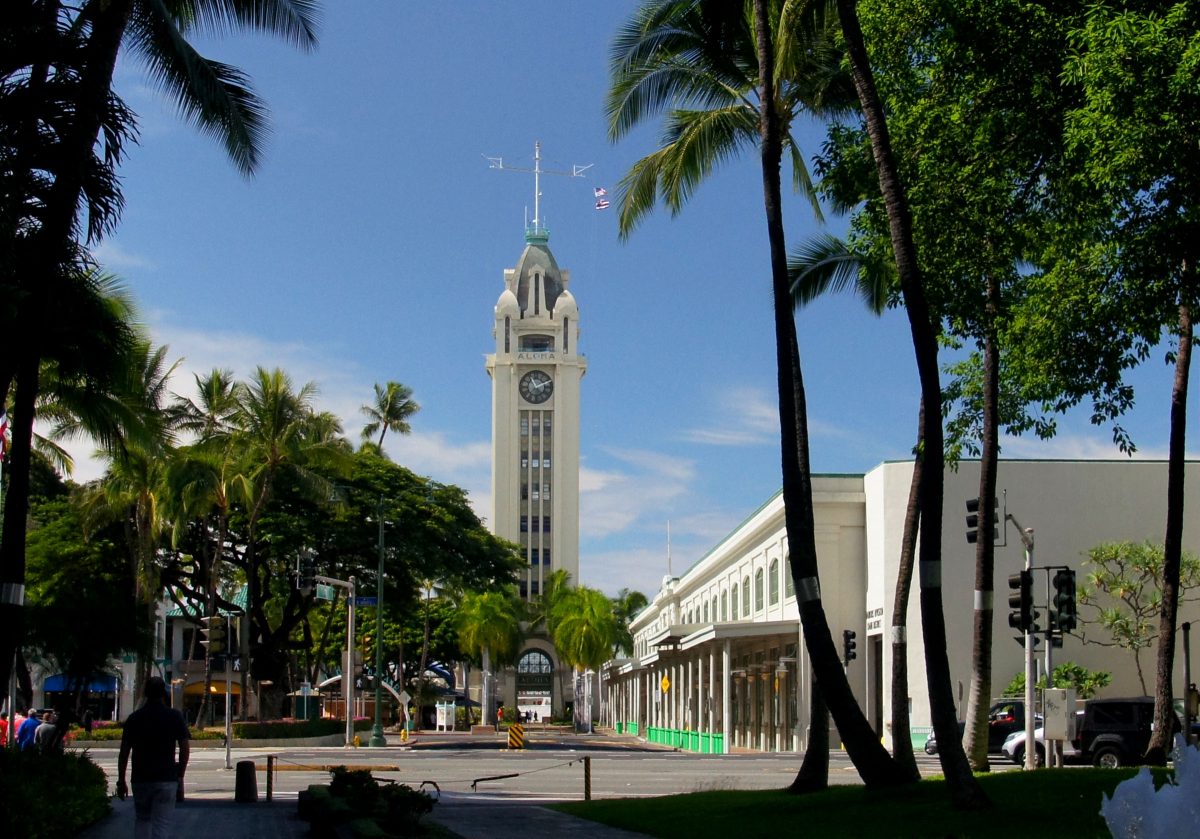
{"x":538,"y":228}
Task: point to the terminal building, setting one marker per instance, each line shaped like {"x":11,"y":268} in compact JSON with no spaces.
{"x":719,"y":661}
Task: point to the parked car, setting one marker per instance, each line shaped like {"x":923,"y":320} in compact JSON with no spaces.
{"x":1004,"y":717}
{"x":1014,"y":746}
{"x":1116,"y":732}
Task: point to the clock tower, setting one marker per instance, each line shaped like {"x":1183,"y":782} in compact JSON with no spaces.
{"x":536,"y":372}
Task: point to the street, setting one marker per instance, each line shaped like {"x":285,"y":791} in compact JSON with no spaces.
{"x":551,"y":769}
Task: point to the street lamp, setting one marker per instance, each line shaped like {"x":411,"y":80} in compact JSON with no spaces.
{"x":377,"y":738}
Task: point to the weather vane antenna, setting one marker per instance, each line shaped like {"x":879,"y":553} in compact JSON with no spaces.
{"x":537,"y":229}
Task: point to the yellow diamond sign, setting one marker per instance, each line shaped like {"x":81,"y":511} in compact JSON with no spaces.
{"x":666,"y":684}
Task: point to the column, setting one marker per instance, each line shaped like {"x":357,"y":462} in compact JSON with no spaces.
{"x":726,"y":729}
{"x":701,"y":716}
{"x":712,"y":690}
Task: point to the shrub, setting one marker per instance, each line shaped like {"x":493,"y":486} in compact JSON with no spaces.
{"x":77,"y":787}
{"x":113,"y":733}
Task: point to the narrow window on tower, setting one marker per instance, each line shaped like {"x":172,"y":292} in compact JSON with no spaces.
{"x":566,"y":335}
{"x":507,"y":334}
{"x":545,"y":524}
{"x":546,"y":425}
{"x":524,"y":425}
{"x":525,"y":524}
{"x":545,"y":463}
{"x":536,"y":521}
{"x":537,"y":427}
{"x":536,"y":495}
{"x":524,"y":492}
{"x":546,"y":492}
{"x":533,"y":556}
{"x":524,"y":460}
{"x":546,"y":556}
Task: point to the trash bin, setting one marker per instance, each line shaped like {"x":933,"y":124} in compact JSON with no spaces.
{"x":245,"y":789}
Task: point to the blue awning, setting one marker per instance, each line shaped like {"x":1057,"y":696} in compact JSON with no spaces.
{"x":101,"y":683}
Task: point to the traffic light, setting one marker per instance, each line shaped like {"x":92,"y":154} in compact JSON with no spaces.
{"x":973,"y":520}
{"x":1064,"y":615}
{"x":1020,"y":599}
{"x":212,"y":632}
{"x":306,"y":573}
{"x":848,"y":646}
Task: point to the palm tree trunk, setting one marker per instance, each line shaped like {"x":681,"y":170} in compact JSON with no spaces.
{"x":979,"y":699}
{"x":901,"y":729}
{"x":814,"y":770}
{"x":873,"y":762}
{"x":16,"y":503}
{"x":1164,"y":713}
{"x":964,"y":788}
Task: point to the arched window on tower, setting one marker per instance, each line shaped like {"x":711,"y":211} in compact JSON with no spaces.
{"x":773,"y":583}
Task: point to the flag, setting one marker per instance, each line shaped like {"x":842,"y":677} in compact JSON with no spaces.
{"x":602,"y":204}
{"x":600,"y":192}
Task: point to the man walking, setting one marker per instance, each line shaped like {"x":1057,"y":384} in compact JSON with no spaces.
{"x":151,"y":734}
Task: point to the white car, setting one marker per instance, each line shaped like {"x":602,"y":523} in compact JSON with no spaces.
{"x":1014,"y":747}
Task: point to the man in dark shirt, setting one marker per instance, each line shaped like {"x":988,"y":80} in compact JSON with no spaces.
{"x":151,"y":734}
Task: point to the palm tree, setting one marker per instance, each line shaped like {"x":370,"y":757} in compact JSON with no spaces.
{"x":276,"y":436}
{"x":626,"y":607}
{"x":70,"y":367}
{"x":390,"y":411}
{"x":964,"y":788}
{"x":489,"y":623}
{"x":826,"y":264}
{"x":133,"y":489}
{"x":746,"y":73}
{"x":584,"y":633}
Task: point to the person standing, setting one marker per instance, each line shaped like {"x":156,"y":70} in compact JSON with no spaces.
{"x":150,"y":735}
{"x":27,"y":730}
{"x":45,"y":737}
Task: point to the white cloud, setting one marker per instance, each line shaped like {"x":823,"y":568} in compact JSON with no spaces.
{"x":613,"y":501}
{"x":744,"y":417}
{"x":112,"y":257}
{"x":1076,"y":447}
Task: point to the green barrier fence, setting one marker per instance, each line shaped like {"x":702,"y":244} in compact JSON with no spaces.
{"x":692,"y":741}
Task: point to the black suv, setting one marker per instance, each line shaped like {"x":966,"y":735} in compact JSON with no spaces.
{"x":1116,"y":732}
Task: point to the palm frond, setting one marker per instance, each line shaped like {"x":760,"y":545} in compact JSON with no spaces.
{"x":826,"y":264}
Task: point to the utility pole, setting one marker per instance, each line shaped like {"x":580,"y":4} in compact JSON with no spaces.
{"x":377,"y":738}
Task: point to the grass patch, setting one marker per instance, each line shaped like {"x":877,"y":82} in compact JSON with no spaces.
{"x":1049,"y":803}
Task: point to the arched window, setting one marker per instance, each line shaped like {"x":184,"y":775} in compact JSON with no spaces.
{"x":734,"y":616}
{"x":789,"y":585}
{"x":714,"y":611}
{"x":746,"y":595}
{"x":773,"y":583}
{"x":705,"y":612}
{"x":725,"y":605}
{"x":758,"y":590}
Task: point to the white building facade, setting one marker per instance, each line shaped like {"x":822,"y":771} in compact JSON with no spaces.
{"x":719,"y":660}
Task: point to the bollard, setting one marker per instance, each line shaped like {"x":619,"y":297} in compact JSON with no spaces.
{"x":516,"y":736}
{"x":245,"y":788}
{"x":587,"y":779}
{"x":270,"y":776}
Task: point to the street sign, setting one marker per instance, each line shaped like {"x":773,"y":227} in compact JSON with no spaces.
{"x":665,"y":683}
{"x":324,"y":591}
{"x":366,"y":601}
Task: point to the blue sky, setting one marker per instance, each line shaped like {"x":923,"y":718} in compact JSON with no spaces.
{"x":371,"y":247}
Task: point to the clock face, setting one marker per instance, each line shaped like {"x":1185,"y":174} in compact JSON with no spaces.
{"x":536,"y":386}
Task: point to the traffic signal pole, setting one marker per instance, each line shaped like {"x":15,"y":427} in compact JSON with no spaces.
{"x":1030,"y":744}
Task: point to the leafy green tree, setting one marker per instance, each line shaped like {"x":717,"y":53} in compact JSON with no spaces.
{"x":489,"y":623}
{"x":965,"y":790}
{"x":728,"y":77}
{"x":584,"y":628}
{"x":78,"y":581}
{"x":1121,"y":595}
{"x":1135,"y":66}
{"x":390,"y":411}
{"x":1086,"y":683}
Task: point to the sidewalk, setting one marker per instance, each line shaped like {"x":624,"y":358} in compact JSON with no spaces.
{"x":278,"y":820}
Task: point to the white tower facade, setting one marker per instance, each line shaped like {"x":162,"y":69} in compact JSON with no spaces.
{"x":536,"y":373}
